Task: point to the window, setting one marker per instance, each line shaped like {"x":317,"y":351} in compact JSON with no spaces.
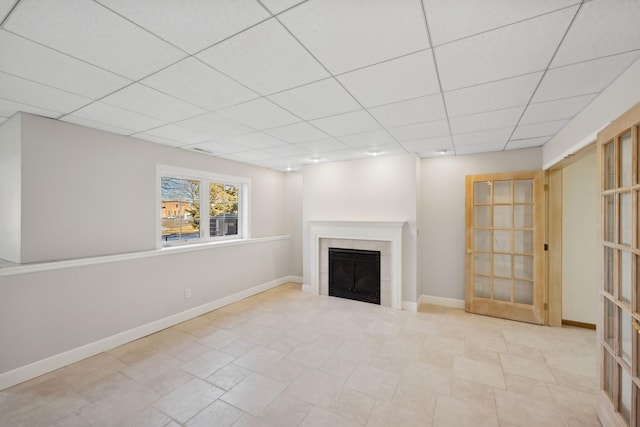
{"x":184,"y":192}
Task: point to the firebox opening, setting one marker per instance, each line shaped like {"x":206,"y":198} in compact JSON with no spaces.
{"x":354,"y":274}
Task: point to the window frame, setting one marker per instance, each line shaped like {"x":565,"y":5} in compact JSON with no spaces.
{"x":205,"y":178}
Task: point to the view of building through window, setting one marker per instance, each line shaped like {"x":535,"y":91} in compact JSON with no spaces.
{"x":181,"y":217}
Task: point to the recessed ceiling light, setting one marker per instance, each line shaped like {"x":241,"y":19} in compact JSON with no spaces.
{"x":316,"y":159}
{"x":374,"y":153}
{"x":442,"y":151}
{"x":288,"y":169}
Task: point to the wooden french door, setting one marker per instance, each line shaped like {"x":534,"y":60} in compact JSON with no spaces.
{"x":505,"y":246}
{"x":619,"y":317}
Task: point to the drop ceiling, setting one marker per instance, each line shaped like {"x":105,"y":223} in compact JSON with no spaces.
{"x":282,"y":83}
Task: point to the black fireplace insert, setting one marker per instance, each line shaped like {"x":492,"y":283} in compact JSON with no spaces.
{"x":354,"y":274}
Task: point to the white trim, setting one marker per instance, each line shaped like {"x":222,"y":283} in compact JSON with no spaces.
{"x":295,"y":279}
{"x":390,"y":231}
{"x":441,"y":301}
{"x":410,"y":306}
{"x":35,"y":369}
{"x":573,"y":149}
{"x":56,"y":265}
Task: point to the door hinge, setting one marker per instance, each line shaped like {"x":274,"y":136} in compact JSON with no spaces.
{"x":546,"y":187}
{"x":546,"y":246}
{"x":546,"y":306}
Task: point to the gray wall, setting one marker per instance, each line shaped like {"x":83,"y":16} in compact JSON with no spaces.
{"x":10,"y":189}
{"x":87,"y":192}
{"x":442,"y":214}
{"x":293,"y":191}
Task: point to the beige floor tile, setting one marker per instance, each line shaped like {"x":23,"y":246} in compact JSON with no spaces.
{"x":525,"y":352}
{"x":238,"y":348}
{"x":150,"y":367}
{"x":168,"y":381}
{"x":198,"y":327}
{"x":523,"y":411}
{"x":528,"y":387}
{"x":72,"y":421}
{"x":207,"y":363}
{"x":386,"y":415}
{"x":248,"y":420}
{"x":254,"y":393}
{"x":310,"y":355}
{"x":259,"y":359}
{"x":285,"y":344}
{"x":147,"y":417}
{"x":226,"y":378}
{"x":189,"y":399}
{"x":389,"y":364}
{"x":219,"y":339}
{"x":286,"y":411}
{"x":284,"y":371}
{"x":588,"y":383}
{"x":135,"y":350}
{"x":480,"y":372}
{"x":526,"y":368}
{"x":414,"y":396}
{"x":574,"y":404}
{"x":473,"y":391}
{"x":218,"y":414}
{"x":374,"y":382}
{"x":91,"y":370}
{"x":456,"y":412}
{"x":429,"y":376}
{"x":319,"y":417}
{"x":263,"y":336}
{"x":353,"y":405}
{"x":316,"y":387}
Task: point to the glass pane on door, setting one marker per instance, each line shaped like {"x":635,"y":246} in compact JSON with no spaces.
{"x":482,"y":240}
{"x":625,"y":277}
{"x":481,"y":192}
{"x":501,"y":192}
{"x":625,"y":218}
{"x":522,"y":292}
{"x":625,"y":336}
{"x":523,"y":191}
{"x":626,"y":160}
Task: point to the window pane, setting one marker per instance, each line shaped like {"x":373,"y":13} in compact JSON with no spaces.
{"x":502,"y":216}
{"x":523,"y":292}
{"x":609,"y":161}
{"x":626,"y":160}
{"x":625,"y":218}
{"x":625,"y":277}
{"x":502,"y":265}
{"x":523,"y":267}
{"x":481,"y":192}
{"x":482,"y":287}
{"x":609,"y":218}
{"x":608,"y":374}
{"x":180,"y":200}
{"x":501,"y":191}
{"x":502,"y":289}
{"x":482,"y":216}
{"x":523,"y":242}
{"x":482,"y":264}
{"x":609,"y":325}
{"x":625,"y":395}
{"x":223,"y":209}
{"x":626,"y":330}
{"x":482,"y":240}
{"x":523,"y":191}
{"x":608,"y":270}
{"x":502,"y":240}
{"x":523,"y":216}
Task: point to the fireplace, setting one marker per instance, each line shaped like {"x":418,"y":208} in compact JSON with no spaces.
{"x":354,"y":274}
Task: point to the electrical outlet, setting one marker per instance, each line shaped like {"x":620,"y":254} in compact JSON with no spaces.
{"x":187,"y":293}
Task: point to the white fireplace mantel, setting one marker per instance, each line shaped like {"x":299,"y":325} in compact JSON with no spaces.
{"x":389,"y":231}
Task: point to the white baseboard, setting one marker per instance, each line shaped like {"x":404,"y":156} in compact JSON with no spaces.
{"x":307,"y":288}
{"x":295,"y":279}
{"x":442,"y":301}
{"x":35,"y":369}
{"x":410,"y":306}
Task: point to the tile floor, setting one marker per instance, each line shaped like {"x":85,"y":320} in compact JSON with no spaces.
{"x":288,"y":358}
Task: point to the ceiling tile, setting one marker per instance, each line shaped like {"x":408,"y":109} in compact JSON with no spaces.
{"x":483,"y":137}
{"x":516,"y":144}
{"x":215,"y":126}
{"x":299,"y":132}
{"x":343,"y":155}
{"x":158,"y":139}
{"x":256,"y":140}
{"x":150,"y":102}
{"x":368,"y":139}
{"x":518,"y":49}
{"x":407,"y":77}
{"x":289,"y":150}
{"x":5,"y":7}
{"x":583,"y":78}
{"x":277,"y":6}
{"x":538,"y":129}
{"x":424,"y":109}
{"x":213,"y":90}
{"x":9,"y":108}
{"x":507,"y":117}
{"x":265,"y":58}
{"x":88,"y":31}
{"x":555,"y":110}
{"x":282,"y":164}
{"x":479,"y":148}
{"x":180,"y":135}
{"x":248,"y":156}
{"x":32,"y":61}
{"x":454,"y":20}
{"x":259,"y":114}
{"x":114,"y":116}
{"x":430,"y":146}
{"x":345,"y":124}
{"x":421,"y":131}
{"x":323,"y":145}
{"x":191,"y":25}
{"x":27,"y":92}
{"x":220,"y":147}
{"x":602,"y":28}
{"x":319,"y":99}
{"x":95,"y":125}
{"x":345,"y":35}
{"x":492,"y":96}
